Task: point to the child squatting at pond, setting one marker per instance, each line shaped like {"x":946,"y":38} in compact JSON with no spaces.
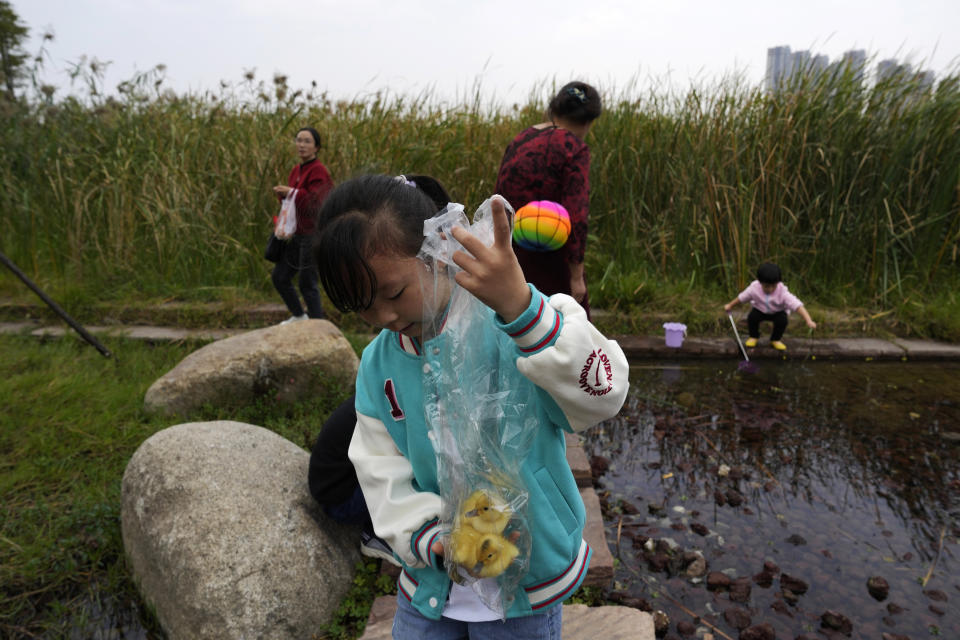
{"x":771,"y":301}
{"x":370,"y":231}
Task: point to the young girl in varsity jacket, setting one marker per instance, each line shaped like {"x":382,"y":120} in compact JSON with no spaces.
{"x":369,"y":232}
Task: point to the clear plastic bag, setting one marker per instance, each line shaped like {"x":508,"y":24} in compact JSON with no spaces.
{"x":478,"y":407}
{"x":286,"y":224}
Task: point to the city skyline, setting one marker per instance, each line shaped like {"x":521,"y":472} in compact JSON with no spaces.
{"x":783,"y":63}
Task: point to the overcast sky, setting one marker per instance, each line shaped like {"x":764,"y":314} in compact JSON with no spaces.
{"x":447,"y":47}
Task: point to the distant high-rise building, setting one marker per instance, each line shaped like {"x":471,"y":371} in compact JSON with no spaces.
{"x":799,"y":63}
{"x":778,"y":67}
{"x":819,"y":64}
{"x":855,"y":61}
{"x":925,"y":79}
{"x":889,"y":69}
{"x":784,"y":65}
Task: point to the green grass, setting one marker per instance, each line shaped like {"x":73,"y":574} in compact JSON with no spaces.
{"x":70,"y":423}
{"x":853,"y":189}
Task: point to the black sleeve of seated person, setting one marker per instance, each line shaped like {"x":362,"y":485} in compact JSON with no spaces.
{"x":331,"y":477}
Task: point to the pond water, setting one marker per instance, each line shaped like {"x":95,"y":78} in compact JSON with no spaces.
{"x":798,"y":483}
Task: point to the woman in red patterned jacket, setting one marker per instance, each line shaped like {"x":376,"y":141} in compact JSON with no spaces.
{"x":551,"y":161}
{"x":312,"y":182}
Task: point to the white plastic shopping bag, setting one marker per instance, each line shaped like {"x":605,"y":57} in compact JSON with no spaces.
{"x":287,"y":220}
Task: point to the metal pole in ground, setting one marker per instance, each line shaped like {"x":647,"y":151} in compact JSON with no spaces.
{"x":53,"y":305}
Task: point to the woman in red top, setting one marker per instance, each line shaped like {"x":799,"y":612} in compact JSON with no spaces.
{"x":313,"y":183}
{"x":551,"y":161}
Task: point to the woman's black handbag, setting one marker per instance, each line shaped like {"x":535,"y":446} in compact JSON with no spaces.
{"x":274,"y":250}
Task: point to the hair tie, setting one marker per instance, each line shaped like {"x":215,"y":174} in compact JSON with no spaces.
{"x":402,"y":178}
{"x":578,"y":93}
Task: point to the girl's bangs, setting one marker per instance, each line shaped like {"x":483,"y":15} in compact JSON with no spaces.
{"x":343,"y":269}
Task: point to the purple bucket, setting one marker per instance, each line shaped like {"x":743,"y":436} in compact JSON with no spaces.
{"x":675,"y":333}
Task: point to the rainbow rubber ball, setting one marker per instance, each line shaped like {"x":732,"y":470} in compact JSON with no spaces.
{"x":541,"y":225}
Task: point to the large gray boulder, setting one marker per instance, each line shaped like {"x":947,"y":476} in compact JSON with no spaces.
{"x":291,"y":361}
{"x":224,"y":539}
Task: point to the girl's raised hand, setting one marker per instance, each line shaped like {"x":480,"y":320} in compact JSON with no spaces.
{"x":492,"y":274}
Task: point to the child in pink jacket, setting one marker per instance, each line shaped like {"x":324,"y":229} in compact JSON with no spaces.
{"x":771,"y":301}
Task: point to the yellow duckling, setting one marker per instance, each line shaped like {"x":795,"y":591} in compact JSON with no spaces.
{"x":485,"y":513}
{"x":486,"y":555}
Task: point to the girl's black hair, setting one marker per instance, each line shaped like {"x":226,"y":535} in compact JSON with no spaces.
{"x":366,"y":216}
{"x":576,"y":101}
{"x":768,"y":273}
{"x":313,"y":132}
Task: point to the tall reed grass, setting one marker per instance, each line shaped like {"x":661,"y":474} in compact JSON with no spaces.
{"x":855,"y":190}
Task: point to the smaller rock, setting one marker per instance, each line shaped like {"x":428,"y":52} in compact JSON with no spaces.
{"x":797,"y":540}
{"x":795,"y":585}
{"x":935,"y":594}
{"x":878,"y":588}
{"x":737,"y":618}
{"x":789,"y":596}
{"x":717,"y":581}
{"x":657,"y":561}
{"x":759,"y":632}
{"x":699,"y":528}
{"x":836,"y":621}
{"x":630,"y":601}
{"x":640,"y":541}
{"x":661,"y":623}
{"x":893,"y":636}
{"x":734,"y":498}
{"x":675,"y":566}
{"x":771,"y":567}
{"x":763,"y":579}
{"x":686,"y":628}
{"x":667,"y":545}
{"x":599,"y":465}
{"x":697,"y":568}
{"x":740,"y":590}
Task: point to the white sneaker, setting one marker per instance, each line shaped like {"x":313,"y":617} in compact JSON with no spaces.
{"x":295,"y":319}
{"x":374,"y":547}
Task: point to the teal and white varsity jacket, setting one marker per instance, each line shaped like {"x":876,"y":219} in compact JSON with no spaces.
{"x":582,"y":379}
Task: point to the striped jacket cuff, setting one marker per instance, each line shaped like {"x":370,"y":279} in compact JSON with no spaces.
{"x":537,"y":328}
{"x":423,"y":540}
{"x":562,"y":587}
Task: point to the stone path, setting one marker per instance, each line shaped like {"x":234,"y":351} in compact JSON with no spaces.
{"x":641,"y":347}
{"x":635,"y":347}
{"x":580,"y":622}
